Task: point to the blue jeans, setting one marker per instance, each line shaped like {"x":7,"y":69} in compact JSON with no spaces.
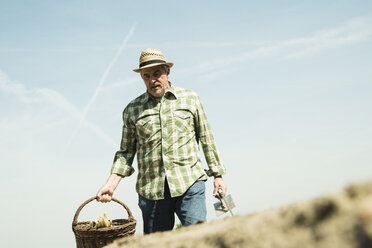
{"x":190,"y":208}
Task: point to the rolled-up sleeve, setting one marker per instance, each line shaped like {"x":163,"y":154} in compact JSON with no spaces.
{"x":123,"y":159}
{"x":204,"y":134}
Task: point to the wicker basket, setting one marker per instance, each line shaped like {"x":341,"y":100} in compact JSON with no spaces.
{"x":88,"y":237}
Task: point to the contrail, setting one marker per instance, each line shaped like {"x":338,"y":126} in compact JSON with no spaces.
{"x":100,"y":84}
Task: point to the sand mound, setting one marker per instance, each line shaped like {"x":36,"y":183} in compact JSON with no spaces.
{"x":340,"y":220}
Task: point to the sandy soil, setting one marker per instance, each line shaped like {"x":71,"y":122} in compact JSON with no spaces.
{"x":340,"y":220}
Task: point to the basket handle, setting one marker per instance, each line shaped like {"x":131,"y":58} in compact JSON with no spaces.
{"x":74,"y":222}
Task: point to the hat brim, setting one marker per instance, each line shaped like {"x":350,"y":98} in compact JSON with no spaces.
{"x":170,"y":64}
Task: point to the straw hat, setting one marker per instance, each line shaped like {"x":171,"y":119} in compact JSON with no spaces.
{"x":151,"y":57}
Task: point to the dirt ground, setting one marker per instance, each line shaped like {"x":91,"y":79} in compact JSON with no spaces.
{"x":340,"y":220}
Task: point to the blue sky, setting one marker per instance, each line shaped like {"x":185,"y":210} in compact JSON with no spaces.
{"x":286,"y":85}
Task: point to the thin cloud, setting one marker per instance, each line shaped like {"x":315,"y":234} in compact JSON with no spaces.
{"x":47,"y":97}
{"x":355,"y":31}
{"x":121,"y":83}
{"x":168,"y":45}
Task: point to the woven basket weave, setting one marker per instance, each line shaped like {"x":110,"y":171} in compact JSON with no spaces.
{"x":88,"y":237}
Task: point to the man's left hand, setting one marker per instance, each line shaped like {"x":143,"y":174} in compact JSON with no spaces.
{"x":219,"y":184}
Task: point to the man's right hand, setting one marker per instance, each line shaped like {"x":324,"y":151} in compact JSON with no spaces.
{"x":105,"y":193}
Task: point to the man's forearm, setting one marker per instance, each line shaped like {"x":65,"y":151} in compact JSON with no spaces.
{"x":113,"y":181}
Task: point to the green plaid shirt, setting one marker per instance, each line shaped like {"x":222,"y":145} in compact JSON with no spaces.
{"x":165,"y":134}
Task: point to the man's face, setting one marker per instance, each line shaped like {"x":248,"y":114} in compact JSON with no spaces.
{"x":156,"y":80}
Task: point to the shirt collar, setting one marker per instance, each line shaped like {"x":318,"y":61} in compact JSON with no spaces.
{"x":171,"y":91}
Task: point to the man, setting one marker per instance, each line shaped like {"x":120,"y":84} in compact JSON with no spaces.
{"x":164,"y":127}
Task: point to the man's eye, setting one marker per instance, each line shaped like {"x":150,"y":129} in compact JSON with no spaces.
{"x":146,"y":76}
{"x":156,"y":74}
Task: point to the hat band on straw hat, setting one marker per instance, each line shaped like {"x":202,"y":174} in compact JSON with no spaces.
{"x":151,"y":62}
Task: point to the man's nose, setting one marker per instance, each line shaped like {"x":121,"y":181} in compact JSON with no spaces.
{"x":152,"y":79}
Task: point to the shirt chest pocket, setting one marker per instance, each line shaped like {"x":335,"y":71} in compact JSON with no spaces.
{"x":146,"y":128}
{"x":183,"y":121}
